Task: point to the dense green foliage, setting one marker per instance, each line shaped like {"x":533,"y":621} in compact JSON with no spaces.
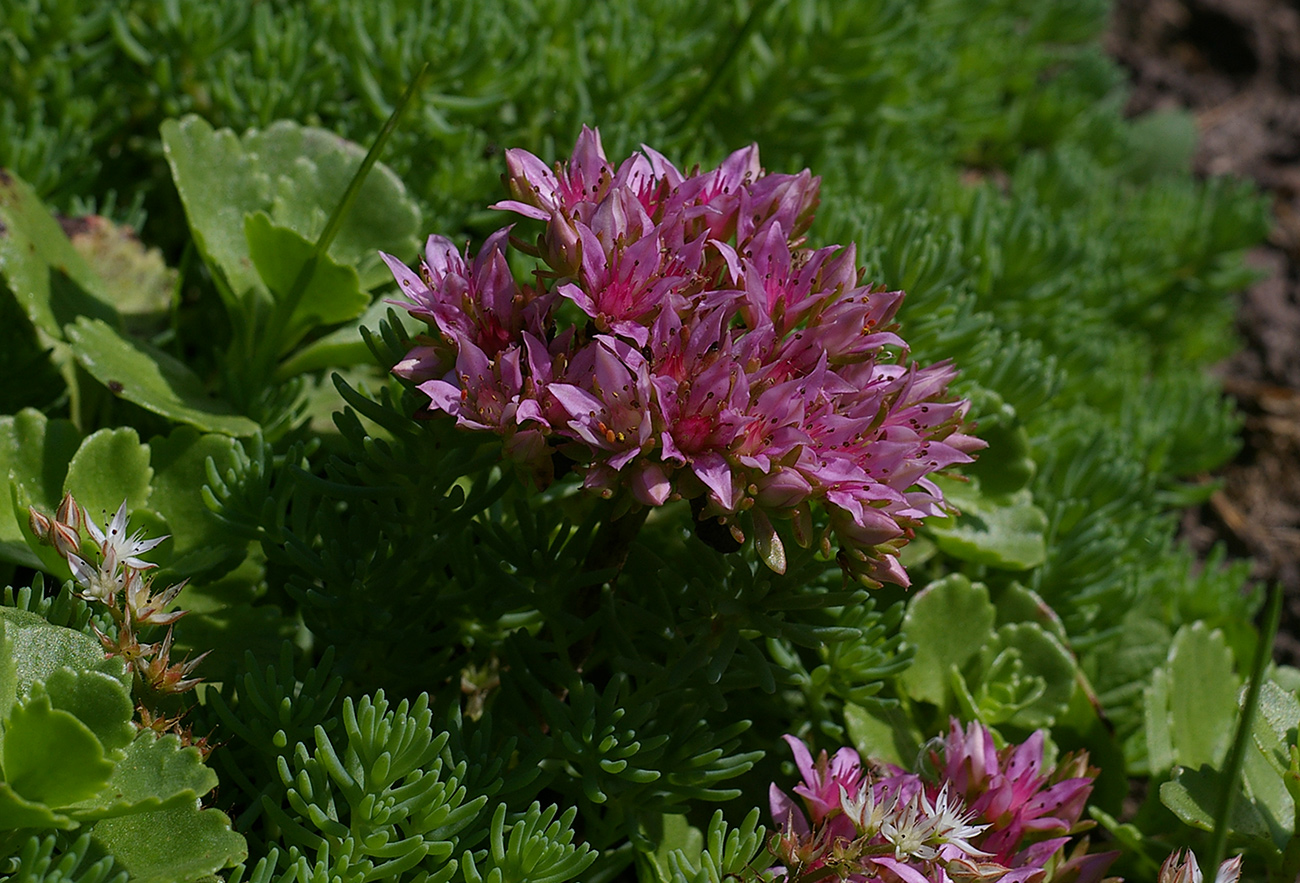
{"x":416,"y":672}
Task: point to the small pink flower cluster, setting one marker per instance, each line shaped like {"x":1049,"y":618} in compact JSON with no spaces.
{"x":987,"y":815}
{"x":684,"y":344}
{"x":115,"y":573}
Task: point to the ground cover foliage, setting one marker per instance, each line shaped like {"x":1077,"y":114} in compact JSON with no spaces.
{"x":421,"y":667}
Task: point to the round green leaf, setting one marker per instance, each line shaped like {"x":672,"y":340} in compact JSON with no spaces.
{"x":110,"y":466}
{"x":310,"y":170}
{"x":1008,"y":533}
{"x":1202,"y":698}
{"x":333,"y":293}
{"x":198,"y":538}
{"x":947,"y":622}
{"x":152,"y":379}
{"x":296,"y":175}
{"x":98,"y":700}
{"x":156,"y":773}
{"x":51,"y":757}
{"x":218,"y":185}
{"x":171,"y":844}
{"x":1043,"y":658}
{"x":40,"y":649}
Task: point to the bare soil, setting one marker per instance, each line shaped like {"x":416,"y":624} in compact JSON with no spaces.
{"x":1235,"y":65}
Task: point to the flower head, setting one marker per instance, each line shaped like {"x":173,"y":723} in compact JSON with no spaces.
{"x":114,"y":575}
{"x":880,"y":822}
{"x":682,"y":342}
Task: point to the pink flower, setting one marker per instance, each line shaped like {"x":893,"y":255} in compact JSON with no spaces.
{"x":981,"y":816}
{"x":682,"y":343}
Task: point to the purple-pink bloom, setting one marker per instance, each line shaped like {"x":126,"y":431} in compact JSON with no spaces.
{"x":681,"y":342}
{"x":983,"y":813}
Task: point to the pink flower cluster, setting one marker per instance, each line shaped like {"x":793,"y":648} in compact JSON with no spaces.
{"x":985,"y":815}
{"x":683,"y":343}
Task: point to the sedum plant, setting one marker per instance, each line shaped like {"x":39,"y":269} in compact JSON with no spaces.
{"x":523,"y":567}
{"x":720,"y":362}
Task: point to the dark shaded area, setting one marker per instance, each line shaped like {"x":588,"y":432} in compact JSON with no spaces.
{"x":1235,"y":64}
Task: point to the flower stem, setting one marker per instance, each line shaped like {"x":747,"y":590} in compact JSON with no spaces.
{"x":608,"y":550}
{"x":700,"y":102}
{"x":1245,"y":725}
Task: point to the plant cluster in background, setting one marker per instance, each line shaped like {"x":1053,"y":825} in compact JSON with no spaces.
{"x":502,"y":641}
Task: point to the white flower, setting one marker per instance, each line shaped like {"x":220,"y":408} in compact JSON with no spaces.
{"x":1182,"y":867}
{"x":911,"y":829}
{"x":953,"y":824}
{"x":863,"y":809}
{"x":124,"y":549}
{"x":100,"y":583}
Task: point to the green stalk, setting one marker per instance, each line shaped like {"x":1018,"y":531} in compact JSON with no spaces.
{"x":268,"y":348}
{"x":1245,"y":725}
{"x":701,"y":101}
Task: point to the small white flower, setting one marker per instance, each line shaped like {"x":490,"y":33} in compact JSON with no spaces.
{"x":911,"y":829}
{"x":866,"y":813}
{"x":125,"y":549}
{"x":100,"y":583}
{"x":953,"y":824}
{"x":1182,"y":867}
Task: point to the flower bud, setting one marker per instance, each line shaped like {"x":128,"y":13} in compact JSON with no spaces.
{"x":40,"y":525}
{"x":70,"y":513}
{"x":66,"y":539}
{"x":561,"y":245}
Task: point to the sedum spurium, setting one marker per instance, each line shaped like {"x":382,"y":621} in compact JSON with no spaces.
{"x":684,"y":343}
{"x":984,"y":814}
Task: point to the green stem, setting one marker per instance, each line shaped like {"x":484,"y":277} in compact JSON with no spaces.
{"x":1245,"y":726}
{"x":269,"y":346}
{"x":701,"y":101}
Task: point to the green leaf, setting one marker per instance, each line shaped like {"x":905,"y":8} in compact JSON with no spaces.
{"x":51,"y":280}
{"x":296,"y":175}
{"x":1018,"y":603}
{"x":180,"y":843}
{"x":674,"y":832}
{"x":18,"y":812}
{"x":199,"y":541}
{"x":884,"y":733}
{"x":1157,"y":726}
{"x":98,"y":700}
{"x":333,"y":293}
{"x":1008,"y":533}
{"x":1044,"y":678}
{"x":1201,"y":702}
{"x":1194,"y":795}
{"x":8,"y":675}
{"x":152,"y":379}
{"x":310,"y":169}
{"x":1275,"y":728}
{"x":110,"y":466}
{"x":51,"y":757}
{"x":218,"y":183}
{"x":947,"y":622}
{"x":156,"y":773}
{"x":34,"y":455}
{"x":1007,"y":464}
{"x":40,"y":649}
